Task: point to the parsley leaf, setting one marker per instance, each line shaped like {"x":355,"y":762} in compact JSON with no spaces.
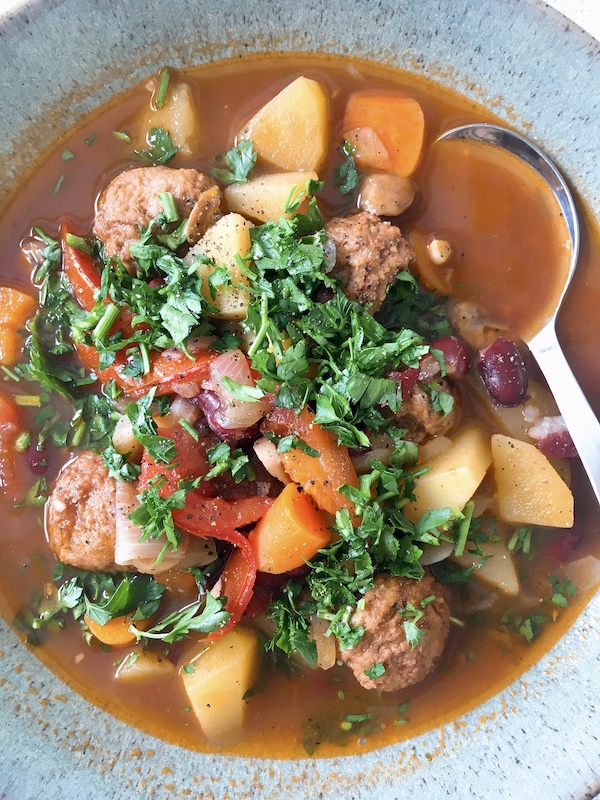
{"x":161,"y":147}
{"x":375,"y":670}
{"x":203,"y":616}
{"x":346,"y":175}
{"x":239,"y":162}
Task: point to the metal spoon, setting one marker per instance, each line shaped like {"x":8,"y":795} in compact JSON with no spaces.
{"x":543,"y":344}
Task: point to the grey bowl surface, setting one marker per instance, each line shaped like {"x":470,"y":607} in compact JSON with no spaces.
{"x":59,"y":59}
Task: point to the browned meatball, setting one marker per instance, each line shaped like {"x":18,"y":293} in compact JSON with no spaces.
{"x":416,"y":413}
{"x":80,"y":520}
{"x":384,"y":641}
{"x":132,"y":199}
{"x":369,"y":255}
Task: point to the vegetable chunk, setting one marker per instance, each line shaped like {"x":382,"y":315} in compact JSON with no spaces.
{"x":528,"y":488}
{"x":387,"y":128}
{"x":454,"y":475}
{"x":227,"y":238}
{"x":177,"y":116}
{"x":320,"y":475}
{"x":291,"y":532}
{"x":300,"y":107}
{"x":266,"y":197}
{"x":216,"y":678}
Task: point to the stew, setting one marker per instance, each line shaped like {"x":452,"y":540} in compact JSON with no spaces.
{"x":278,"y":474}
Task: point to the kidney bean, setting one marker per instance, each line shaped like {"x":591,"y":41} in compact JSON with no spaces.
{"x":38,"y":462}
{"x":407,"y":378}
{"x":456,"y":356}
{"x":503,"y":372}
{"x":557,"y":445}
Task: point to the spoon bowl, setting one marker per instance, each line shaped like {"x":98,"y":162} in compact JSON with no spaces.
{"x":577,"y":413}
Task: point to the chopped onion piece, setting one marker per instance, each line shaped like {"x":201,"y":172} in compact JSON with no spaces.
{"x":585,"y":572}
{"x":267,"y":454}
{"x":232,"y":413}
{"x":181,"y":408}
{"x":124,"y":441}
{"x":433,"y":553}
{"x":129,"y":550}
{"x":326,"y":649}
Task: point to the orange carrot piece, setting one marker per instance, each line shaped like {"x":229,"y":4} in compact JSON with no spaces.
{"x":11,"y":346}
{"x":292,"y":531}
{"x":397,"y":121}
{"x":115,"y":632}
{"x":320,"y":476}
{"x":15,"y":307}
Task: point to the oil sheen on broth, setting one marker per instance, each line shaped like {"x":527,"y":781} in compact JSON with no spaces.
{"x":507,"y":258}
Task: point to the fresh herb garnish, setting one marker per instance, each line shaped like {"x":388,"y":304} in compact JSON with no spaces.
{"x":346,"y":175}
{"x":203,"y":616}
{"x":238,"y":162}
{"x":161,"y":147}
{"x":562,"y":590}
{"x":411,"y":616}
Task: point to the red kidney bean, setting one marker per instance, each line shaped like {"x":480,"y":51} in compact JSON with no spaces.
{"x":38,"y":462}
{"x":557,"y":445}
{"x":456,"y":356}
{"x":407,"y":378}
{"x":503,"y":372}
{"x":563,"y":547}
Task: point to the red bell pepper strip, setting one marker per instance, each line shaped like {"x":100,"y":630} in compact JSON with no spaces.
{"x":165,"y":370}
{"x":10,"y":424}
{"x":80,"y":270}
{"x":239,"y":573}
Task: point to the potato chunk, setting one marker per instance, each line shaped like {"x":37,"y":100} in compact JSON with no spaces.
{"x":291,"y":130}
{"x":528,"y":489}
{"x":454,"y":476}
{"x":265,"y":197}
{"x":228,"y":237}
{"x":178,"y":117}
{"x":498,"y":571}
{"x":216,"y":677}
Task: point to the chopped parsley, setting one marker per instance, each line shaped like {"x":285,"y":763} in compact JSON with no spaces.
{"x":411,"y":616}
{"x":161,"y":149}
{"x":562,"y":590}
{"x":375,"y":671}
{"x":238,"y":164}
{"x":346,"y":176}
{"x":203,"y":616}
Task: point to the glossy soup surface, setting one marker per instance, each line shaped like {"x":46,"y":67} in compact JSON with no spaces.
{"x":508,"y":253}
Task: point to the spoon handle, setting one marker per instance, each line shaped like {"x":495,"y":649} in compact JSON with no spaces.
{"x":579,"y":418}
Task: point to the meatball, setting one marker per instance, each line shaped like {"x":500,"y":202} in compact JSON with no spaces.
{"x":369,"y":255}
{"x":383,"y":616}
{"x":80,"y":520}
{"x":132,"y":199}
{"x":418,"y":415}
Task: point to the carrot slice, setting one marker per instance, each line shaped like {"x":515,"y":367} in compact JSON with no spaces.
{"x":320,"y":476}
{"x":397,"y":122}
{"x":292,"y":531}
{"x":115,"y":632}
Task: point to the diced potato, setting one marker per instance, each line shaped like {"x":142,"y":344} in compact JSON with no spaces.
{"x":529,"y":490}
{"x":228,"y":237}
{"x":498,"y":571}
{"x":216,"y":680}
{"x":178,"y":117}
{"x":143,"y":666}
{"x":301,"y":106}
{"x":265,"y":197}
{"x":454,"y":476}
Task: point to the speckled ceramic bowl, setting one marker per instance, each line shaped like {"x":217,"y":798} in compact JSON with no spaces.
{"x":538,"y":739}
